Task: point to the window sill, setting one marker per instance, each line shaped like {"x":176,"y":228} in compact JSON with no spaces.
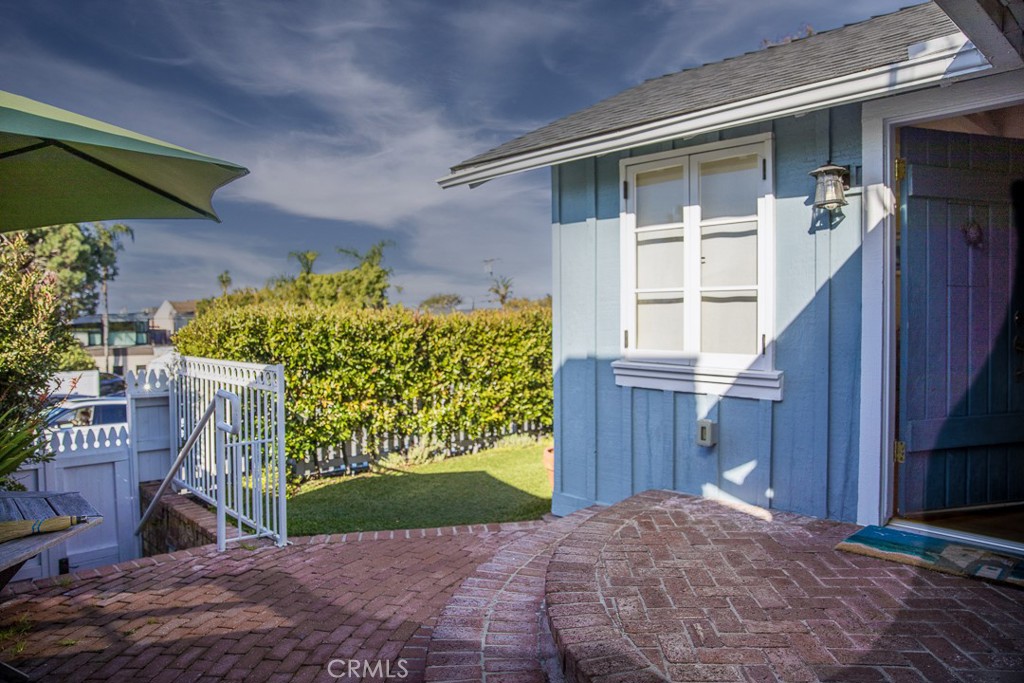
{"x":644,"y":374}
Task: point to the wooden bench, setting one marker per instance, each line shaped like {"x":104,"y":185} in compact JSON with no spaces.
{"x":16,"y":505}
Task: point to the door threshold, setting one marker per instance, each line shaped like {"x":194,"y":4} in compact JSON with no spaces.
{"x":987,"y":542}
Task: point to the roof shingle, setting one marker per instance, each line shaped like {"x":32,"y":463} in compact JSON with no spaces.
{"x":870,"y":44}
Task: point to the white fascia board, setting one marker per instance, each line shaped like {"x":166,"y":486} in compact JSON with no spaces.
{"x":932,"y":62}
{"x":972,"y":17}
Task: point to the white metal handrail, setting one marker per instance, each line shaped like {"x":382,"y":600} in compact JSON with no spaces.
{"x":241,"y":471}
{"x":215,"y":407}
{"x":224,"y":428}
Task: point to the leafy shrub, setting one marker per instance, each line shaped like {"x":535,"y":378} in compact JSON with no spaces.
{"x":33,"y":338}
{"x":393,"y":372}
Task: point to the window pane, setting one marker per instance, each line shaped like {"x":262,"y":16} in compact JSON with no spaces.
{"x":112,"y":414}
{"x":728,"y":322}
{"x":660,"y":196}
{"x":729,"y":187}
{"x":729,"y":255}
{"x":659,"y":259}
{"x":659,"y":321}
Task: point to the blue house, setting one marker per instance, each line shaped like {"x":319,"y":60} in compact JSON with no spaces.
{"x":846,"y":345}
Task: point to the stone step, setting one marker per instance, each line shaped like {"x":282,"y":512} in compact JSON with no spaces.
{"x":494,"y":627}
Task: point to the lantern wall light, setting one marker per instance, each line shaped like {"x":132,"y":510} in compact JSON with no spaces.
{"x":831,"y":182}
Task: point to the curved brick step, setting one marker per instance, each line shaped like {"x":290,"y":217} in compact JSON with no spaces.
{"x":668,"y":587}
{"x":493,"y":628}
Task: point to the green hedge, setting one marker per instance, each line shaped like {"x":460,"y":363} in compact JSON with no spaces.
{"x":392,"y":371}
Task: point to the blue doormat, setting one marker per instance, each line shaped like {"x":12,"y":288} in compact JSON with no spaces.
{"x":948,"y":557}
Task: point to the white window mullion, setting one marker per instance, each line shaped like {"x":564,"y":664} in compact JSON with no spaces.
{"x":692,"y":214}
{"x":627,"y":246}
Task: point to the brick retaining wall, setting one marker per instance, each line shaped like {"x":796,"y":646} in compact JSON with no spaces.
{"x":179,"y":522}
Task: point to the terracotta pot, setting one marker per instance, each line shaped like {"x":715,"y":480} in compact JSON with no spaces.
{"x":549,"y":465}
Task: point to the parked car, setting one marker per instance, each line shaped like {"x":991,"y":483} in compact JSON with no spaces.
{"x":111,"y":384}
{"x":85,"y":412}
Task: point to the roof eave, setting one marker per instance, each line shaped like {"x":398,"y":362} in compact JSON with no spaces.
{"x":994,"y":27}
{"x":929,"y":63}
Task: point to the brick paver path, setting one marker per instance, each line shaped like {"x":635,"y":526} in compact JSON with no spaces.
{"x":670,"y":587}
{"x":270,"y":614}
{"x":494,"y":629}
{"x":658,"y":587}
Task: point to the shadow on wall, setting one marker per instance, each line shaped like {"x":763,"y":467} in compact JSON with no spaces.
{"x":800,"y":454}
{"x":964,"y":439}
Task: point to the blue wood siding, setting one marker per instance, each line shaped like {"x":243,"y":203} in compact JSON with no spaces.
{"x":798,"y":454}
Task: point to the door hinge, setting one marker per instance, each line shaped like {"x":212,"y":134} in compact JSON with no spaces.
{"x":625,"y":189}
{"x":901,"y":169}
{"x":625,"y":339}
{"x":764,"y":169}
{"x":899,"y":452}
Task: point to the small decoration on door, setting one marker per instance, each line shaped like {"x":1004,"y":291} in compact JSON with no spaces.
{"x":973,"y":233}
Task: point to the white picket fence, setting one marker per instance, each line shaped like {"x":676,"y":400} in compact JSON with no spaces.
{"x":355,"y":455}
{"x":81,"y":439}
{"x":254,"y":471}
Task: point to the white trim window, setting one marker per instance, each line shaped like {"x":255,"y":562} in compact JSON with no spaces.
{"x":697,"y":275}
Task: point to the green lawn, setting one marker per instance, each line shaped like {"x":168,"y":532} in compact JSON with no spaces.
{"x":499,"y":485}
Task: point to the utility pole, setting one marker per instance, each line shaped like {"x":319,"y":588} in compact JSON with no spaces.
{"x":106,"y":321}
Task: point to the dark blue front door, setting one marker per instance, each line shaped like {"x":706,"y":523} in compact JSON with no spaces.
{"x":961,"y":341}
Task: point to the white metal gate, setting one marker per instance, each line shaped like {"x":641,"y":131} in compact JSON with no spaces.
{"x":254,"y":472}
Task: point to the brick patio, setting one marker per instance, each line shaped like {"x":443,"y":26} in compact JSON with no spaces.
{"x":659,"y":587}
{"x":268,"y":614}
{"x":670,"y":587}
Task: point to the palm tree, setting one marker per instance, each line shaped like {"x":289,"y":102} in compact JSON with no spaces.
{"x":224,"y":280}
{"x":501,"y":288}
{"x":108,"y":243}
{"x":305,"y":259}
{"x":373,"y":256}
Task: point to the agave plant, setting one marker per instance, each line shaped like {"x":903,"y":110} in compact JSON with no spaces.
{"x":19,"y":438}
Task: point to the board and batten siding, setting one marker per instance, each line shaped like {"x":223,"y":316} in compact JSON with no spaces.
{"x":799,"y":454}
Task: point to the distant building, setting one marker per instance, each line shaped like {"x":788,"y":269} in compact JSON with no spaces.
{"x":134,"y":339}
{"x":173,"y":315}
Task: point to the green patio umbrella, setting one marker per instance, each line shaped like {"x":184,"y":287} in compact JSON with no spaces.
{"x":59,"y":167}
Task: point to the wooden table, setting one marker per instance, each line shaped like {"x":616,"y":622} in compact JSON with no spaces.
{"x":15,"y":505}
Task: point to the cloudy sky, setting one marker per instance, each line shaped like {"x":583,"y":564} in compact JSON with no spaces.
{"x":347,"y":111}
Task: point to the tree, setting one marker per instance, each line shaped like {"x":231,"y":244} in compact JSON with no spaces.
{"x":305,"y":259}
{"x":66,"y":251}
{"x":367,"y":284}
{"x":440,"y":303}
{"x":74,"y":357}
{"x":81,"y":259}
{"x":364,"y":286}
{"x":515,"y":304}
{"x":224,"y":280}
{"x":33,"y":335}
{"x":501,"y":288}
